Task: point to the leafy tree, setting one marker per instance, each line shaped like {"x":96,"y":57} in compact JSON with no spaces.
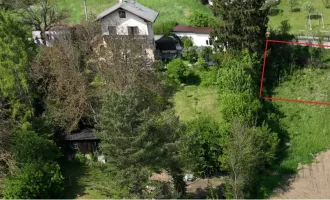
{"x":16,"y":52}
{"x":35,"y":181}
{"x":309,"y":7}
{"x":177,"y":71}
{"x":31,"y":148}
{"x":63,"y":80}
{"x":43,"y":15}
{"x":244,"y":24}
{"x":7,"y":161}
{"x":137,"y":136}
{"x":246,"y":151}
{"x":201,"y":146}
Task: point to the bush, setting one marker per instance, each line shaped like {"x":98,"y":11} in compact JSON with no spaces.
{"x":190,"y":54}
{"x":209,"y":77}
{"x":164,"y":28}
{"x":187,"y":42}
{"x":30,"y":148}
{"x":199,"y":19}
{"x":201,"y":146}
{"x":35,"y":181}
{"x":241,"y":106}
{"x":177,"y":71}
{"x":80,"y":158}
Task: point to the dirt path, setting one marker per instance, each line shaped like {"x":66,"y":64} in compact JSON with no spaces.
{"x":311,"y":182}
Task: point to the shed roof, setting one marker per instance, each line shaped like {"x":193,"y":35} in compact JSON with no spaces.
{"x":134,"y":8}
{"x":85,"y":134}
{"x":190,"y":29}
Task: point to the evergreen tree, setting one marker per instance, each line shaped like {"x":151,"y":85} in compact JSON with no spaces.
{"x":16,"y":52}
{"x":136,"y":138}
{"x":243,"y":24}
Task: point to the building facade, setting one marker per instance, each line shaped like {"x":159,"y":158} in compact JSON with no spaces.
{"x":199,"y":35}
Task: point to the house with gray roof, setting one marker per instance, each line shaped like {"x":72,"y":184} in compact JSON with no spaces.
{"x":128,"y":18}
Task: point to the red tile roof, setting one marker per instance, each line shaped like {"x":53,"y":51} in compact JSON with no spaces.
{"x":190,"y":29}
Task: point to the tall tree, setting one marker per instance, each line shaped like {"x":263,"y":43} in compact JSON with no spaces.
{"x":43,"y":15}
{"x":64,"y":80}
{"x":136,"y":138}
{"x":16,"y":53}
{"x":243,"y":24}
{"x":246,"y":151}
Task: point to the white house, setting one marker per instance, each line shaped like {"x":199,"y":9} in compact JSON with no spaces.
{"x":128,"y":18}
{"x":199,"y":35}
{"x":58,"y":31}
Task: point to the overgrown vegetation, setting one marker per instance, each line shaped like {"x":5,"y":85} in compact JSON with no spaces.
{"x":198,"y":113}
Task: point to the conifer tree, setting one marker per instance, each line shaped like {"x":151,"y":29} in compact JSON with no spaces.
{"x":243,"y":24}
{"x":16,"y":52}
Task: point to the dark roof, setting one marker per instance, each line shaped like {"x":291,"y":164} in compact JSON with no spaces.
{"x":134,"y":8}
{"x":190,"y":29}
{"x":86,"y":134}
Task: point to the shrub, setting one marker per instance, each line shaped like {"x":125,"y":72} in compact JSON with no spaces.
{"x":190,"y":54}
{"x":309,"y":7}
{"x":164,"y":28}
{"x":30,"y":148}
{"x":176,"y":71}
{"x":199,"y":19}
{"x":187,"y":42}
{"x":241,"y":106}
{"x":293,"y":4}
{"x":201,"y":146}
{"x":80,"y":158}
{"x":208,"y":77}
{"x":35,"y":181}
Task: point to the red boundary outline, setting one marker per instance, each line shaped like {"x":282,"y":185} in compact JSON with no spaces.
{"x":264,"y":67}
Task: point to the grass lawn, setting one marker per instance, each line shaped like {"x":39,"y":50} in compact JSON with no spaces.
{"x":298,"y":19}
{"x":192,"y":101}
{"x":307,"y":126}
{"x":168,"y":10}
{"x":85,"y":182}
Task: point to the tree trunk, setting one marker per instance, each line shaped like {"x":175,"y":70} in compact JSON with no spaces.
{"x":43,"y":37}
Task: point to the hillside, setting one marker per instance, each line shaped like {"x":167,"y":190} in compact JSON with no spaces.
{"x":298,"y":19}
{"x":306,"y":126}
{"x":169,"y":10}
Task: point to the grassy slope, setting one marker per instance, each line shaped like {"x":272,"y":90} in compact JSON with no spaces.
{"x":298,"y":19}
{"x":207,"y":103}
{"x":168,"y":9}
{"x":308,"y":125}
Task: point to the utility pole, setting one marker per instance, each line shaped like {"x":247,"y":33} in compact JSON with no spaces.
{"x":85,"y":10}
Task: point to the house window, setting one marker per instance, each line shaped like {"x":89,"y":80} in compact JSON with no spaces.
{"x":210,"y":41}
{"x":133,"y":30}
{"x":122,"y":14}
{"x":112,"y":30}
{"x":207,"y":42}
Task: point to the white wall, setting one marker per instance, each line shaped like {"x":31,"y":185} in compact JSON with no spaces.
{"x":113,"y":19}
{"x":199,"y":39}
{"x":52,"y":34}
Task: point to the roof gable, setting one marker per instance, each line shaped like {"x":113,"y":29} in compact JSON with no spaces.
{"x":132,"y":7}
